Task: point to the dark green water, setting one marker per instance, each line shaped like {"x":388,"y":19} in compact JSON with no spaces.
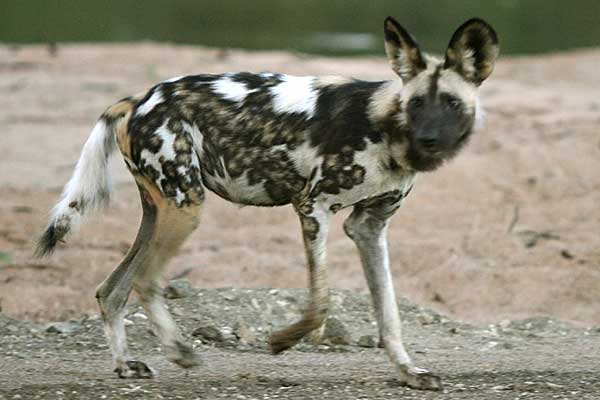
{"x":314,"y":26}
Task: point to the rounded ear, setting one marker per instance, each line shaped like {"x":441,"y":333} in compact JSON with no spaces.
{"x":402,"y":50}
{"x":473,"y":50}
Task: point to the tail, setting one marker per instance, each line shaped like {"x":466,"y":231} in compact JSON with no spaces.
{"x":89,"y":187}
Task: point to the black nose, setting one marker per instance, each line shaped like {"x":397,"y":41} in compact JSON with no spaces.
{"x":428,"y":142}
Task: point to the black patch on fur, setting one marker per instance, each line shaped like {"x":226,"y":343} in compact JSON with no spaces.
{"x":252,"y":81}
{"x":341,"y":128}
{"x":48,"y":241}
{"x":433,"y":82}
{"x":334,"y":208}
{"x":341,"y":117}
{"x":383,"y":200}
{"x":310,"y":228}
{"x":436,"y":129}
{"x":403,"y":41}
{"x":480,"y":38}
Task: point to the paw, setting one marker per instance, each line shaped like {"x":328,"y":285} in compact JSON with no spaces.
{"x":183,"y":355}
{"x":135,"y":370}
{"x":279,"y":343}
{"x":283,"y":340}
{"x":418,"y":378}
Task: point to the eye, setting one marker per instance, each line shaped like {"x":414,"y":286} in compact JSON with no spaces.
{"x":416,"y":102}
{"x":453,"y":103}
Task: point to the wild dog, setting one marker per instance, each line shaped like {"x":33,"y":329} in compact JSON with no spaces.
{"x":319,"y":143}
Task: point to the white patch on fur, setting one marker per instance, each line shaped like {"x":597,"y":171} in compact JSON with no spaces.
{"x":152,"y":160}
{"x":231,"y":90}
{"x":305,"y":157}
{"x":420,"y":83}
{"x":295,"y":95}
{"x":114,"y":330}
{"x":375,"y":181}
{"x":149,"y":104}
{"x":382,"y":101}
{"x":167,"y":151}
{"x":168,"y":148}
{"x":377,"y":272}
{"x":405,"y":68}
{"x":90,"y":184}
{"x":165,"y":326}
{"x":238,"y":190}
{"x":197,"y":140}
{"x":329,"y":80}
{"x":468,"y":62}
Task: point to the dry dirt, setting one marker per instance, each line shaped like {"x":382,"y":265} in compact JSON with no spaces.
{"x":508,"y":230}
{"x":536,"y":358}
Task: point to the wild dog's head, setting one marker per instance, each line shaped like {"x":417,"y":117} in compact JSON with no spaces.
{"x":438,"y":101}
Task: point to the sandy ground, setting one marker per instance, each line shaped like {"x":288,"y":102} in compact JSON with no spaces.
{"x":507,"y":230}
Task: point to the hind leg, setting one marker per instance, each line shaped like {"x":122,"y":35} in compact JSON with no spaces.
{"x":173,"y":225}
{"x":112,"y":297}
{"x":165,"y":225}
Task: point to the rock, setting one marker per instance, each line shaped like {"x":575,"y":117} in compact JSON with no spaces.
{"x":209,"y":333}
{"x":178,"y":311}
{"x":494,"y":345}
{"x":554,"y":386}
{"x":530,"y":386}
{"x":178,"y":288}
{"x":230,"y":297}
{"x":500,"y":388}
{"x":315,"y":337}
{"x":367,"y":341}
{"x":425,"y":319}
{"x":537,"y":324}
{"x":65,"y":328}
{"x":227,"y":333}
{"x":505,"y":324}
{"x":244,"y":333}
{"x":567,"y":254}
{"x":255,"y":303}
{"x":336,"y":332}
{"x":139,"y":315}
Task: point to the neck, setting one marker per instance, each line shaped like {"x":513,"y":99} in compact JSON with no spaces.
{"x":385,"y":112}
{"x":384,"y":105}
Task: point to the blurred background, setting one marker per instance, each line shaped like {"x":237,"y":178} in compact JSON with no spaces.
{"x":340,"y":27}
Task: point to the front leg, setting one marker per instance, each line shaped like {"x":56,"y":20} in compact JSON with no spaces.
{"x":367,"y":227}
{"x":315,"y":223}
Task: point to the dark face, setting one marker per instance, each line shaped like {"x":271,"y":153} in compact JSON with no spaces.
{"x":436,"y":119}
{"x":439,"y":124}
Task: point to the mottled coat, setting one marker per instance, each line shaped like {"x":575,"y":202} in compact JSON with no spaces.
{"x":267,"y":139}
